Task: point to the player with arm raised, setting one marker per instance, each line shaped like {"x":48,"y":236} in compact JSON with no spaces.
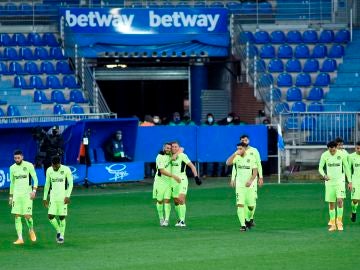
{"x":59,"y":181}
{"x":243,"y":175}
{"x":22,"y":193}
{"x":335,"y":162}
{"x":354,"y":164}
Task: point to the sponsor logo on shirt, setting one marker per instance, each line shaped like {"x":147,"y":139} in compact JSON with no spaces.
{"x":244,"y":167}
{"x":57,"y":180}
{"x":334,"y":164}
{"x":21,"y":176}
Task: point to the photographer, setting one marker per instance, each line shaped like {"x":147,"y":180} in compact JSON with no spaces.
{"x":52,"y":145}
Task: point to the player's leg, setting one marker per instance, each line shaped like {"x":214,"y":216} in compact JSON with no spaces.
{"x":355,"y":197}
{"x":62,"y":227}
{"x":17,"y":208}
{"x":182,"y":201}
{"x":52,"y":212}
{"x":157,"y":195}
{"x":240,"y":202}
{"x":340,"y":196}
{"x":175,"y":195}
{"x":29,"y":220}
{"x":167,"y":204}
{"x":250,"y":203}
{"x":330,"y":197}
{"x":18,"y":228}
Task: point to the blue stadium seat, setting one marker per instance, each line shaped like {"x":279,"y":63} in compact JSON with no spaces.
{"x":35,"y":39}
{"x":26,"y":9}
{"x":53,"y":82}
{"x":12,"y":110}
{"x":20,"y":82}
{"x":266,"y":79}
{"x":315,"y":107}
{"x":326,"y":36}
{"x":262,"y":37}
{"x":281,"y":107}
{"x":294,"y":94}
{"x":293,"y":65}
{"x":59,"y":109}
{"x":26,"y":53}
{"x":248,"y":8}
{"x":265,"y":8}
{"x":311,"y":65}
{"x":315,"y":93}
{"x":310,"y":36}
{"x":303,"y":79}
{"x":3,"y":68}
{"x":292,"y":123}
{"x":298,"y":106}
{"x":302,"y":51}
{"x":39,"y":96}
{"x":36,"y":82}
{"x":6,"y":40}
{"x":234,"y":7}
{"x":246,"y":36}
{"x":260,"y":65}
{"x":294,"y":36}
{"x":42,"y":53}
{"x":284,"y":80}
{"x":50,"y":39}
{"x":252,"y":50}
{"x":267,"y":51}
{"x":10,"y":53}
{"x":199,"y":4}
{"x":275,"y":94}
{"x":16,"y":68}
{"x":319,"y":51}
{"x":322,"y":79}
{"x":285,"y":51}
{"x":2,"y":113}
{"x":329,"y":65}
{"x":63,"y":67}
{"x":20,"y":39}
{"x":76,"y":109}
{"x":77,"y":96}
{"x":276,"y":65}
{"x":57,"y":96}
{"x":56,"y":53}
{"x":342,"y":36}
{"x":278,"y":37}
{"x":336,"y":51}
{"x":48,"y":68}
{"x":11,"y":9}
{"x":69,"y":81}
{"x":308,"y":123}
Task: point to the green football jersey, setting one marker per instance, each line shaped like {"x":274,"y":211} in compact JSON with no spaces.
{"x":178,"y":166}
{"x":61,"y":182}
{"x":254,"y":152}
{"x":242,"y":169}
{"x":354,"y":163}
{"x":20,"y":181}
{"x":163,"y":161}
{"x":336,"y":165}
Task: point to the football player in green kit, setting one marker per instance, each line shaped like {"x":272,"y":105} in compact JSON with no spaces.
{"x":59,"y":181}
{"x":22,"y":193}
{"x":243,"y":175}
{"x":354,"y":163}
{"x":335,"y":162}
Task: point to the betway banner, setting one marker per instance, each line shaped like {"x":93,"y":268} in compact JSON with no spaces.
{"x":146,"y":21}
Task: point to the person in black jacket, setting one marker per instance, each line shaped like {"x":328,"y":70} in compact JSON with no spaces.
{"x":114,"y":148}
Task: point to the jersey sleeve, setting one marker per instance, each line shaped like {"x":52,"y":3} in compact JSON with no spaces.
{"x":258,"y":163}
{"x":70,"y":180}
{"x":47,"y":185}
{"x":347,"y":169}
{"x":33,"y":175}
{"x":11,"y":190}
{"x":322,"y":164}
{"x":233,"y":173}
{"x":185,"y":158}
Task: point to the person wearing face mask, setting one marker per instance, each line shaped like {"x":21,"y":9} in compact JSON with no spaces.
{"x":210,"y":120}
{"x":176,"y":119}
{"x":156,"y":120}
{"x":228,"y":121}
{"x":114,"y":148}
{"x":187,"y":120}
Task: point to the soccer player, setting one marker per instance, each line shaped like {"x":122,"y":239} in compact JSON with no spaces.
{"x":59,"y":181}
{"x":243,"y":175}
{"x":354,"y":163}
{"x":179,"y":161}
{"x":162,"y":184}
{"x":249,"y":214}
{"x":22,"y":194}
{"x":335,"y":162}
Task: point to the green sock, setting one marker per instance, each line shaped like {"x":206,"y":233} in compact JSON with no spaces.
{"x":160,"y":210}
{"x":241,"y":215}
{"x":340,"y":212}
{"x":62,"y":226}
{"x":55,"y":224}
{"x":253,"y":212}
{"x":167,"y":210}
{"x":354,"y":207}
{"x":332,"y":214}
{"x":18,"y":227}
{"x":177,"y":210}
{"x":30,"y":223}
{"x":182,"y":210}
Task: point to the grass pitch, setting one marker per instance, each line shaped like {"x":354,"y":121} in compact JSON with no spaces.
{"x":117,"y":228}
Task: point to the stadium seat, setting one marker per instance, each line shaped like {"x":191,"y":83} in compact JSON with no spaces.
{"x":246,"y":36}
{"x":199,"y":4}
{"x":265,"y":7}
{"x":285,"y":51}
{"x":292,"y":123}
{"x":262,"y":37}
{"x":302,"y":51}
{"x":329,"y":65}
{"x":336,"y":51}
{"x":284,"y":80}
{"x":260,"y":65}
{"x":276,"y":65}
{"x":319,"y":51}
{"x":47,"y":67}
{"x":315,"y":107}
{"x":76,"y":109}
{"x":20,"y":39}
{"x":70,"y":82}
{"x":311,"y":65}
{"x":248,"y":8}
{"x":294,"y":36}
{"x":308,"y":123}
{"x":277,"y":37}
{"x":293,"y":65}
{"x":36,"y":82}
{"x":26,"y":9}
{"x":266,"y":79}
{"x":35,"y":39}
{"x":310,"y":36}
{"x":315,"y":93}
{"x":57,"y":54}
{"x":303,"y":79}
{"x":342,"y":36}
{"x":39,"y":96}
{"x":6,"y":40}
{"x":26,"y":53}
{"x":281,"y":107}
{"x":77,"y":96}
{"x":298,"y":106}
{"x":3,"y":68}
{"x":12,"y":110}
{"x":275,"y":94}
{"x":63,"y":67}
{"x":2,"y":113}
{"x":50,"y":39}
{"x":10,"y":53}
{"x":11,"y":9}
{"x":322,"y":79}
{"x":42,"y":53}
{"x":53,"y":82}
{"x":100,"y":155}
{"x":252,"y":50}
{"x":326,"y":36}
{"x":234,"y":7}
{"x":59,"y":109}
{"x":57,"y":96}
{"x":20,"y":82}
{"x":267,"y":51}
{"x":16,"y":68}
{"x":294,"y":94}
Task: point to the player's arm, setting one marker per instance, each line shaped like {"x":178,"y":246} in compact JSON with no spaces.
{"x":230,"y":159}
{"x":259,"y":168}
{"x":35,"y":181}
{"x":46,"y":189}
{"x":321,"y":168}
{"x":194,"y":171}
{"x":169,"y":174}
{"x":11,"y":190}
{"x":70,"y":180}
{"x":233,"y":176}
{"x":347,"y":172}
{"x":252,"y":178}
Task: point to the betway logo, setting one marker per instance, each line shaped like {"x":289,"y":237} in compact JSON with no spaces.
{"x":179,"y":19}
{"x":95,"y":19}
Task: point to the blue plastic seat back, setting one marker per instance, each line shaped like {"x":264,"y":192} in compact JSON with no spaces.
{"x":315,"y":93}
{"x":39,"y":96}
{"x":50,"y":39}
{"x":36,"y":82}
{"x":20,"y":39}
{"x":260,"y":65}
{"x":262,"y":37}
{"x":57,"y":96}
{"x":293,"y":65}
{"x":6,"y":40}
{"x":77,"y":96}
{"x":284,"y":80}
{"x":311,"y":65}
{"x":77,"y":109}
{"x":329,"y":65}
{"x":285,"y":51}
{"x":26,"y":53}
{"x":248,"y":8}
{"x":42,"y":53}
{"x":294,"y":36}
{"x":25,"y":9}
{"x":276,"y":65}
{"x":56,"y":53}
{"x":292,"y":123}
{"x":267,"y":51}
{"x":69,"y":81}
{"x":302,"y":51}
{"x":319,"y":51}
{"x":12,"y":110}
{"x":20,"y":82}
{"x":298,"y":106}
{"x":246,"y":36}
{"x":48,"y":68}
{"x":281,"y":107}
{"x":278,"y":37}
{"x":275,"y":94}
{"x":234,"y":7}
{"x":53,"y":82}
{"x":342,"y":36}
{"x":336,"y":51}
{"x":266,"y":79}
{"x":303,"y":79}
{"x":265,"y":8}
{"x":315,"y":107}
{"x":322,"y":79}
{"x":310,"y":36}
{"x":326,"y":36}
{"x":59,"y":109}
{"x":11,"y":53}
{"x":35,"y":39}
{"x":16,"y":68}
{"x":308,"y":123}
{"x":63,"y":67}
{"x":3,"y":68}
{"x":294,"y":94}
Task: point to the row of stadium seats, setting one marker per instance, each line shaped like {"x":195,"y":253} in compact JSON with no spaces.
{"x":33,"y":68}
{"x":58,"y":96}
{"x":296,"y":94}
{"x":52,"y":82}
{"x":13,"y":110}
{"x":29,"y":53}
{"x":295,"y":36}
{"x":30,"y":39}
{"x":300,"y":79}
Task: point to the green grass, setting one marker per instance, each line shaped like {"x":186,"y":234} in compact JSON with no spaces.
{"x":117,"y":228}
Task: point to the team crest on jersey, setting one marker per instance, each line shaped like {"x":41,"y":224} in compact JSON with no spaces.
{"x":248,"y":160}
{"x":24,"y":169}
{"x":339,"y":157}
{"x":62,"y":172}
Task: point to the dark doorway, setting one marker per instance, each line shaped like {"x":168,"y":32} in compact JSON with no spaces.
{"x":138,"y":98}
